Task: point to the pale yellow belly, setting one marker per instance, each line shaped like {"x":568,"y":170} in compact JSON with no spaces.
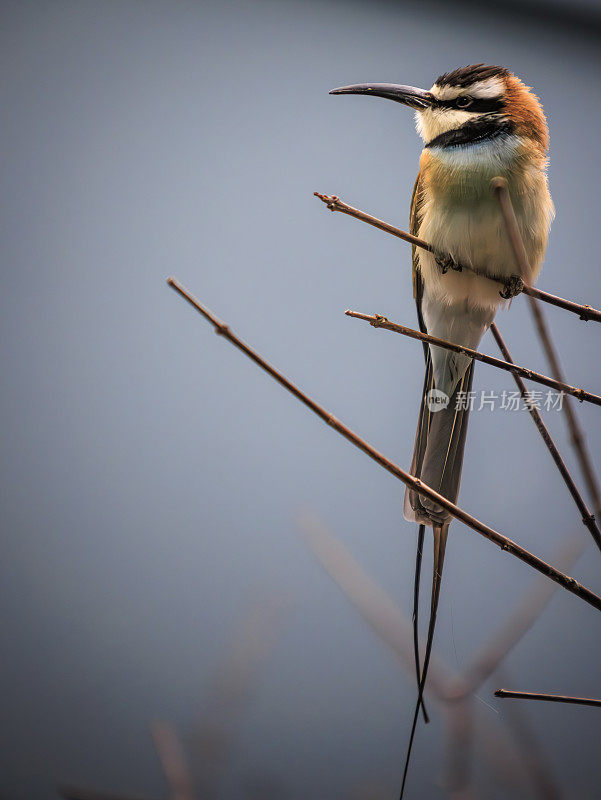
{"x":464,"y":220}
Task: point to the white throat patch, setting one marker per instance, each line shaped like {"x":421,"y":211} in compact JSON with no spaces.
{"x":431,"y":122}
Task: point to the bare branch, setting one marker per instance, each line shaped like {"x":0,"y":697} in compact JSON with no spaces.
{"x":576,"y":435}
{"x":378,"y":321}
{"x":588,"y":519}
{"x":334,"y":203}
{"x":538,"y":766}
{"x":173,"y":760}
{"x":506,"y":544}
{"x":550,"y":698}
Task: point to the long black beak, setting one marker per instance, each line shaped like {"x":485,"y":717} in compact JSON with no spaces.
{"x":408,"y":95}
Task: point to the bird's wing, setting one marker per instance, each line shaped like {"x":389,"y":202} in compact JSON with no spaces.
{"x":414,"y":223}
{"x":415,"y":218}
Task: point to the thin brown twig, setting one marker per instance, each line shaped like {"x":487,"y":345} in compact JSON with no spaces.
{"x":551,"y":698}
{"x":506,"y":544}
{"x":577,"y":437}
{"x":587,"y":518}
{"x":334,"y":203}
{"x":585,"y":312}
{"x":378,"y":321}
{"x":539,"y":767}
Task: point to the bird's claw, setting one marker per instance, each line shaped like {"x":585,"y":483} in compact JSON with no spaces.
{"x":513,"y":286}
{"x":445,"y":262}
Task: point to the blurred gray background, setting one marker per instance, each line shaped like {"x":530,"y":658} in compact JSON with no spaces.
{"x":152,"y":477}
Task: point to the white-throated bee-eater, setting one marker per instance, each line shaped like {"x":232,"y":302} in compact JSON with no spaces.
{"x":477,"y":122}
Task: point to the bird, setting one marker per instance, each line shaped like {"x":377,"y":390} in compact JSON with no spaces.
{"x":477,"y":123}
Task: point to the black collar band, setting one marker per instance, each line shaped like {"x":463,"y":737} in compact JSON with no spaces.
{"x":472,"y":132}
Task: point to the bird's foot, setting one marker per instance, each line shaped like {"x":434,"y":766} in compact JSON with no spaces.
{"x":513,"y":286}
{"x":445,"y":262}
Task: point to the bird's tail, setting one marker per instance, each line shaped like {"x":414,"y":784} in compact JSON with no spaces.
{"x":439,"y":445}
{"x":440,"y":542}
{"x":437,"y":461}
{"x":415,"y":618}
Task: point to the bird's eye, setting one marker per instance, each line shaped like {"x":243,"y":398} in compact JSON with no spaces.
{"x":464,"y":102}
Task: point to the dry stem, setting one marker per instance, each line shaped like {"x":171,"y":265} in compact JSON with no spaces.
{"x":334,"y":203}
{"x":506,"y":544}
{"x":378,"y":321}
{"x":587,"y":518}
{"x":551,"y":698}
{"x":576,"y":434}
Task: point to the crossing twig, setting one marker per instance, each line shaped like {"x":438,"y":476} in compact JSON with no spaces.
{"x":577,"y":437}
{"x":334,"y":203}
{"x":378,"y":321}
{"x":506,"y":544}
{"x":587,"y":518}
{"x":549,"y":698}
{"x":539,"y":766}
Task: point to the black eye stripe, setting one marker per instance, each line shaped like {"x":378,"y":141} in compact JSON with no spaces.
{"x":484,"y":105}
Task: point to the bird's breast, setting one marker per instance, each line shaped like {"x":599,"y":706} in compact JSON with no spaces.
{"x":460,"y":216}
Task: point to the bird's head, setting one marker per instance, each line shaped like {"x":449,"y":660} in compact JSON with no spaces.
{"x":467,"y":105}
